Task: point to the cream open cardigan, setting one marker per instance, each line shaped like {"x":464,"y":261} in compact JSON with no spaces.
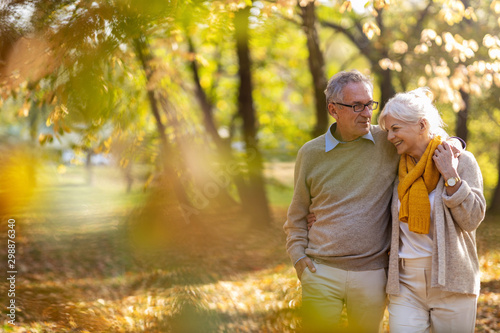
{"x":455,"y":265}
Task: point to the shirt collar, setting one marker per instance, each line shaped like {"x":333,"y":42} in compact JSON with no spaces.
{"x":331,"y":142}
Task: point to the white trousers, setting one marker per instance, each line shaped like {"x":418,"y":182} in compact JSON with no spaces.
{"x":325,"y":292}
{"x":420,"y":308}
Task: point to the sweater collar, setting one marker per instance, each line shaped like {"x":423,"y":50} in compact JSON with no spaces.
{"x":331,"y":142}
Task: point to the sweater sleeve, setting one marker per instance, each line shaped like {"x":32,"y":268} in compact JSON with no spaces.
{"x":296,"y":223}
{"x":467,"y":205}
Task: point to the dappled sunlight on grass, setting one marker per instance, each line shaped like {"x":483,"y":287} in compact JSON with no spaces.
{"x":97,"y":259}
{"x":488,"y":235}
{"x":264,"y":301}
{"x":259,"y":297}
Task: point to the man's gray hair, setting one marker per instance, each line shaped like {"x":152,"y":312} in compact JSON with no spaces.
{"x":337,"y":83}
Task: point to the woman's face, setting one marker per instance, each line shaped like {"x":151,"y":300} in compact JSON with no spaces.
{"x":407,"y":138}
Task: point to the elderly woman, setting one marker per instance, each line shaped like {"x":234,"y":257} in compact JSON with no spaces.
{"x":437,"y":205}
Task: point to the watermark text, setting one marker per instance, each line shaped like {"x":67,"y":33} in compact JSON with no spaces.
{"x":11,"y":271}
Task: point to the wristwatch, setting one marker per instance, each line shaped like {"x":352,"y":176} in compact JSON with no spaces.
{"x":452,"y":181}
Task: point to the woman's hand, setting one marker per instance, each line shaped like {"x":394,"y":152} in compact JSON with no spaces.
{"x":311,"y":218}
{"x":447,"y":164}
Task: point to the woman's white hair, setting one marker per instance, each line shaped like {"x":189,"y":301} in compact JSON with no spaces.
{"x":413,"y":106}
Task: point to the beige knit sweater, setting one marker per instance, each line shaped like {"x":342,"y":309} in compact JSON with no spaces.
{"x":455,"y":265}
{"x":349,"y":189}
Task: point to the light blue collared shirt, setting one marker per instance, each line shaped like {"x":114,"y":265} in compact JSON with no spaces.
{"x":331,"y":142}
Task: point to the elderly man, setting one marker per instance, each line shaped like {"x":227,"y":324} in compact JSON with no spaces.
{"x":345,"y":178}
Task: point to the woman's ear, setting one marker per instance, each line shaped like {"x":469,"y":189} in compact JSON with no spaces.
{"x":423,"y":125}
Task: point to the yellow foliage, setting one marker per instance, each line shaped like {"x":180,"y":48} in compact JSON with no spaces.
{"x":421,"y":48}
{"x":17,"y":180}
{"x":25,"y":109}
{"x":400,"y":47}
{"x":370,"y":29}
{"x":387,"y":63}
{"x":453,"y":11}
{"x":381,"y":4}
{"x":495,"y":5}
{"x":61,"y":169}
{"x":346,"y":6}
{"x":304,"y":3}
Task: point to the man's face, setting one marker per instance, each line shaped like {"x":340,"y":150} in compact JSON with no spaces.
{"x":352,"y":125}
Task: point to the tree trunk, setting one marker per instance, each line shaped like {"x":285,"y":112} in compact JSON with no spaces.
{"x":223,"y":148}
{"x":88,"y":167}
{"x":495,"y":201}
{"x":256,"y":198}
{"x":461,"y":129}
{"x":8,"y":38}
{"x":205,"y":104}
{"x":143,"y":53}
{"x":316,"y":66}
{"x":387,"y":90}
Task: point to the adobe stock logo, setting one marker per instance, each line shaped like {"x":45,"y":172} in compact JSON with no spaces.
{"x":211,"y":189}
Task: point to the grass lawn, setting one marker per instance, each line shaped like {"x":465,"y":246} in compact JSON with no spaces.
{"x":93,"y":258}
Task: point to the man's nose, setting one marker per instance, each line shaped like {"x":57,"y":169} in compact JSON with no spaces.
{"x":367,"y":112}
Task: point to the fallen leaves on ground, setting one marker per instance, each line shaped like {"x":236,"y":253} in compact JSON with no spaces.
{"x":135,"y":274}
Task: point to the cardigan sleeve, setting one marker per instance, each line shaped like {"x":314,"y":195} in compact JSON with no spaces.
{"x":467,"y":205}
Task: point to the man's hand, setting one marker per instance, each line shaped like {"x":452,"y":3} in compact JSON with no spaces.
{"x":302,"y":264}
{"x":455,"y":146}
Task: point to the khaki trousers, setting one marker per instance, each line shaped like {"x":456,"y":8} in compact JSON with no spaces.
{"x":420,"y":308}
{"x":325,"y":292}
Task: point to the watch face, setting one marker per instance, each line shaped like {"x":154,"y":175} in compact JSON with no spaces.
{"x":452,"y":182}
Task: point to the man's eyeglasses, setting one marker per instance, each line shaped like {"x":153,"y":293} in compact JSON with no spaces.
{"x":360,"y":107}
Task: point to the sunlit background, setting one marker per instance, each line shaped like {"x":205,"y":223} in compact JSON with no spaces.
{"x":147,"y":147}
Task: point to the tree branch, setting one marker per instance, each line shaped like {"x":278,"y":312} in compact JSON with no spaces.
{"x":205,"y":103}
{"x":417,"y":29}
{"x":341,"y":29}
{"x":362,"y":42}
{"x":291,"y":20}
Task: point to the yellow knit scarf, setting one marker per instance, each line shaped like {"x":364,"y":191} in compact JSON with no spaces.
{"x":415,"y":184}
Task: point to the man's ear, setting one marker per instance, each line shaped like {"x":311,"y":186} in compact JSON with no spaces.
{"x":332,"y":110}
